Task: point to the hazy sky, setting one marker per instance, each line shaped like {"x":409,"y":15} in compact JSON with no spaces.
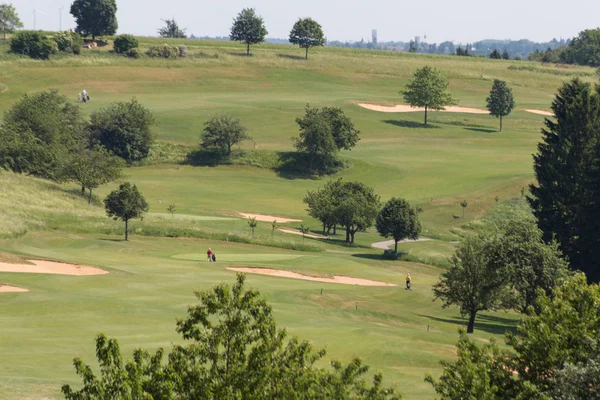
{"x":439,"y":20}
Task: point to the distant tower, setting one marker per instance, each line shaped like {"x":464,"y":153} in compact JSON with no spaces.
{"x":418,"y":40}
{"x":374,"y":36}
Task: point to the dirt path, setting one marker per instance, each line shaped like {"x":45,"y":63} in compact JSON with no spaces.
{"x":344,"y":280}
{"x":11,"y":289}
{"x":51,"y":267}
{"x":309,"y":235}
{"x":386,"y":245}
{"x":268,"y":218}
{"x":403,"y":108}
{"x":541,"y":112}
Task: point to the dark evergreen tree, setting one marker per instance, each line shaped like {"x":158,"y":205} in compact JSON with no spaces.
{"x":495,"y":54}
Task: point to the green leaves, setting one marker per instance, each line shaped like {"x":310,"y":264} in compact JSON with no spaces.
{"x":223,"y":132}
{"x":399,"y":220}
{"x":171,"y":29}
{"x":500,"y":102}
{"x":125,"y":203}
{"x":428,"y":89}
{"x":9,"y":19}
{"x":248,"y":28}
{"x":307,"y":33}
{"x":95,"y":17}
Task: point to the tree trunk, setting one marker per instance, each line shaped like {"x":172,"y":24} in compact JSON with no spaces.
{"x":247,"y":49}
{"x":324,"y":228}
{"x":82,"y":190}
{"x":347,"y":235}
{"x":335,"y":229}
{"x":90,"y":198}
{"x":471,"y":325}
{"x":352,"y":236}
{"x":126,"y":230}
{"x":396,"y":246}
{"x":228,"y":150}
{"x":425,"y":115}
{"x":306,"y":58}
{"x":501,"y":123}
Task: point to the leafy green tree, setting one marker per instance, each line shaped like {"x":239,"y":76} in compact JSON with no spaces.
{"x":500,"y":102}
{"x":248,"y":28}
{"x":223,"y":132}
{"x":9,"y":19}
{"x":94,"y":167}
{"x":304,"y":230}
{"x":463,"y":205}
{"x":357,"y":209}
{"x":236,"y":352}
{"x":171,"y":209}
{"x":123,"y":43}
{"x":172,"y":30}
{"x":307,"y":33}
{"x":322,"y":204}
{"x":567,"y":166}
{"x":32,"y":44}
{"x":472,"y":283}
{"x":584,"y":49}
{"x":428,"y":89}
{"x":125,"y":203}
{"x":399,"y":220}
{"x":125,"y":129}
{"x":95,"y":17}
{"x":252,"y":223}
{"x":39,"y":132}
{"x":495,"y":55}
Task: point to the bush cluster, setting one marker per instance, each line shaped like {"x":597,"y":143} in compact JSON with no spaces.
{"x":124,"y":43}
{"x":68,"y":42}
{"x":32,"y":44}
{"x":164,"y":51}
{"x":183,"y":50}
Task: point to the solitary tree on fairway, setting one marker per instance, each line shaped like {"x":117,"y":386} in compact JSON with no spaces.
{"x":398,"y":220}
{"x":464,"y":205}
{"x":500,"y":102}
{"x":428,"y":89}
{"x":9,"y":19}
{"x":171,"y":209}
{"x":274,"y":226}
{"x":248,"y":28}
{"x":222,"y":132}
{"x":95,"y":17}
{"x":304,"y":230}
{"x":307,"y":33}
{"x":171,"y":30}
{"x":252,"y":223}
{"x":125,"y":203}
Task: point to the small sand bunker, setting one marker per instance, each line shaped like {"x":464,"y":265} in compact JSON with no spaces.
{"x":403,"y":108}
{"x":268,"y":218}
{"x":11,"y":289}
{"x":51,"y":267}
{"x":344,"y":280}
{"x":309,"y":235}
{"x":541,"y":112}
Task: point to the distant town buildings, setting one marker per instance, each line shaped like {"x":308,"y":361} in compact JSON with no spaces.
{"x":374,"y":36}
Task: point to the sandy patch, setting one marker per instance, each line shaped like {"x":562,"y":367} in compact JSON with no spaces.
{"x":541,"y":112}
{"x":403,"y":108}
{"x":309,"y":235}
{"x":268,"y":218}
{"x":51,"y":267}
{"x":344,"y":280}
{"x":11,"y":289}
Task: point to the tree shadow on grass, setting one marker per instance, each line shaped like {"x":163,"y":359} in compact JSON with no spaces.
{"x":481,"y":130}
{"x":240,"y":54}
{"x":291,"y":57}
{"x":112,"y":240}
{"x":409,"y":124}
{"x":486,"y":323}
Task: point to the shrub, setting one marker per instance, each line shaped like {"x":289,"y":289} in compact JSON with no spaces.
{"x":32,"y":44}
{"x":68,"y":42}
{"x":183,"y":50}
{"x":164,"y":51}
{"x":134,"y":53}
{"x":124,"y":43}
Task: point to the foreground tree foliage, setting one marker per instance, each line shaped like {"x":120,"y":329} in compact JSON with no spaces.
{"x":399,"y":220}
{"x":38,"y":134}
{"x":504,"y":268}
{"x":223,"y":132}
{"x":323,"y":133}
{"x":171,"y":30}
{"x":307,"y":33}
{"x":500,"y":102}
{"x":124,"y":128}
{"x":428,"y":89}
{"x":95,"y":17}
{"x":553,"y":355}
{"x":9,"y":19}
{"x":236,"y":352}
{"x":248,"y":28}
{"x":125,"y":203}
{"x":567,"y":168}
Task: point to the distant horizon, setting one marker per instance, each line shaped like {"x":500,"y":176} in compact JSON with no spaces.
{"x":462,"y":21}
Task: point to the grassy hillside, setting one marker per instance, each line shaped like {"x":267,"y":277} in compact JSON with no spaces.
{"x":459,"y":157}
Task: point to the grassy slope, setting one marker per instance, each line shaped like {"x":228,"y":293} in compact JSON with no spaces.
{"x":460,"y":158}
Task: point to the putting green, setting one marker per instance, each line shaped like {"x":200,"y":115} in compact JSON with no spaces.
{"x":237,"y":257}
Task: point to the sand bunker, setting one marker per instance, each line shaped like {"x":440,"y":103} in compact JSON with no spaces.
{"x":51,"y":267}
{"x":541,"y":112}
{"x":344,"y":280}
{"x":11,"y":289}
{"x":309,"y":235}
{"x":403,"y":108}
{"x":269,"y":218}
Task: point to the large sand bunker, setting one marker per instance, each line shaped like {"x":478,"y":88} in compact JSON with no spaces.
{"x":403,"y":108}
{"x":51,"y":267}
{"x":308,"y":235}
{"x":344,"y":280}
{"x":540,"y":112}
{"x":269,"y":218}
{"x":11,"y":289}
